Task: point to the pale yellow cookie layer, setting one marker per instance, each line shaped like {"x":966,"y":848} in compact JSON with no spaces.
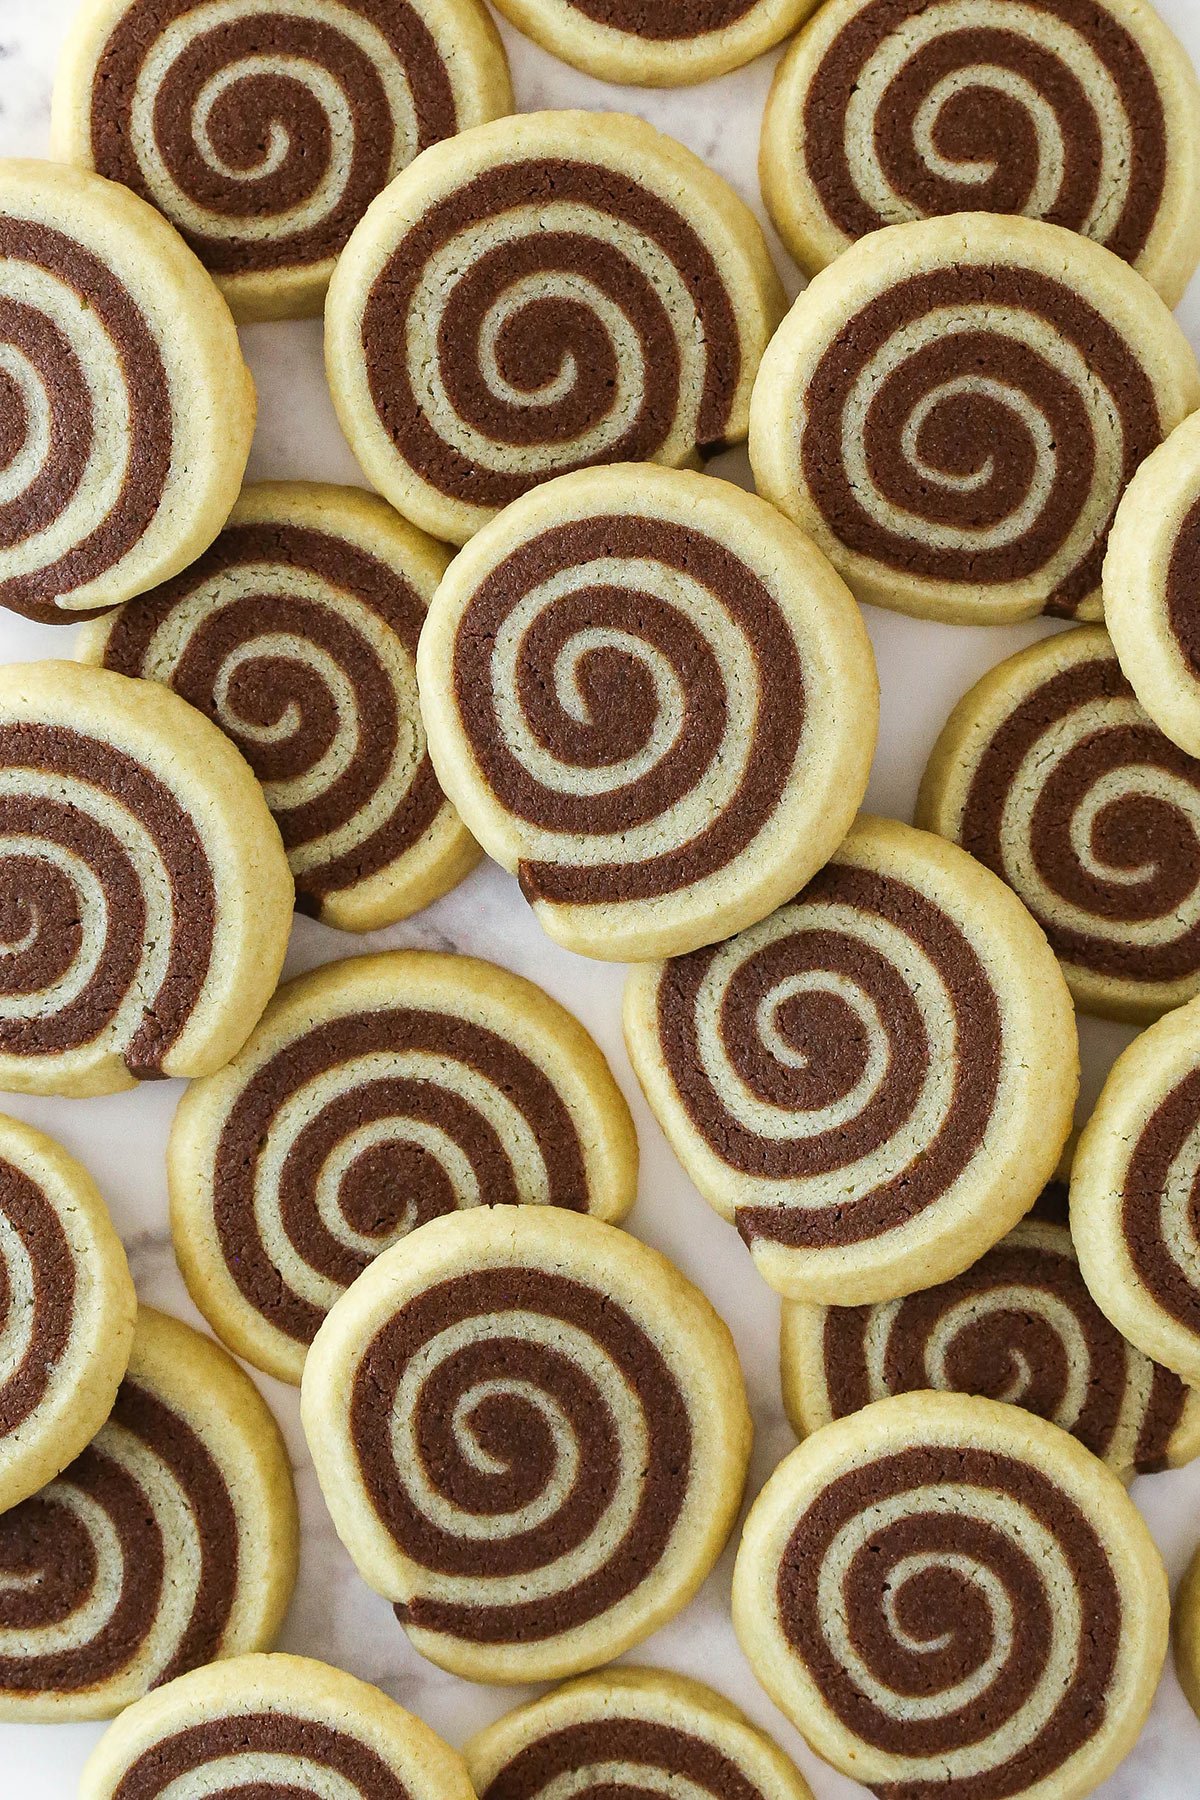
{"x":613,"y":54}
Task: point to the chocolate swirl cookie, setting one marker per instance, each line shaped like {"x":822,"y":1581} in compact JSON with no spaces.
{"x":1019,"y":1326}
{"x":1050,"y":773}
{"x":668,"y":43}
{"x":376,"y":1095}
{"x":951,"y":1596}
{"x":954,"y":408}
{"x":651,"y":698}
{"x":126,"y":411}
{"x":1085,"y":113}
{"x":1134,"y":1189}
{"x":263,"y":129}
{"x":66,"y":1310}
{"x":874,"y":1083}
{"x":297,"y":634}
{"x":541,"y":294}
{"x":145,"y":899}
{"x":271,"y":1728}
{"x":532,"y":1435}
{"x":169,"y":1542}
{"x":627,"y":1735}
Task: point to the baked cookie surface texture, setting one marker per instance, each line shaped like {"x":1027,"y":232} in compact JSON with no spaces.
{"x":666,"y":44}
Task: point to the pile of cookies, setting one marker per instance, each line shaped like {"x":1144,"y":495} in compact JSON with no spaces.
{"x":400,"y":1182}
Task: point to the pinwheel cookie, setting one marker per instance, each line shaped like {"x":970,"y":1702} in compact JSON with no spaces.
{"x":951,"y":1596}
{"x":1019,"y":1325}
{"x":376,"y":1095}
{"x":297,"y":634}
{"x":66,"y":1310}
{"x":263,"y":129}
{"x":1050,"y":773}
{"x":657,"y":45}
{"x":651,"y":697}
{"x":532,"y":1435}
{"x":628,"y":1734}
{"x":1085,"y":113}
{"x":265,"y":1726}
{"x":146,"y":895}
{"x":954,"y":409}
{"x":126,"y":411}
{"x":543,"y":293}
{"x":874,"y":1083}
{"x":169,"y":1542}
{"x":1132,"y":1193}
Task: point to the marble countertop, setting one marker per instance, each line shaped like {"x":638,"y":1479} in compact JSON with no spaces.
{"x":923,"y":667}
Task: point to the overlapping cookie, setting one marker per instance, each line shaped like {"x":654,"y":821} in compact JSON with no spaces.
{"x":629,"y":1733}
{"x":1019,"y":1326}
{"x":1085,"y":113}
{"x":262,"y":1727}
{"x":376,"y":1095}
{"x":1049,"y":772}
{"x":661,"y":45}
{"x":297,"y":634}
{"x":954,"y":408}
{"x":263,"y":129}
{"x":126,"y":411}
{"x":171,"y":1541}
{"x":1186,"y":1632}
{"x":532,"y":1434}
{"x":876,"y":1082}
{"x":951,"y":1596}
{"x":145,"y":898}
{"x":542,"y":294}
{"x":649,"y":696}
{"x":66,"y":1310}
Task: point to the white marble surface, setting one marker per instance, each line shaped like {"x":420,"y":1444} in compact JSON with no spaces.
{"x":923,"y":668}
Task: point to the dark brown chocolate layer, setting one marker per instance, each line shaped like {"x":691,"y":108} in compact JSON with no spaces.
{"x":315,"y":1746}
{"x":642,"y":1743}
{"x":1183,"y":589}
{"x":1143,"y":1197}
{"x":673,"y":23}
{"x":31,"y":1219}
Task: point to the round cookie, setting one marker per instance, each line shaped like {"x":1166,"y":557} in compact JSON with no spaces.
{"x":145,"y":899}
{"x":1152,"y":586}
{"x":532,"y":1434}
{"x":1085,"y":113}
{"x":263,"y":129}
{"x":67,"y":1308}
{"x":1020,"y":1326}
{"x":265,"y":1726}
{"x":1185,"y":1620}
{"x":542,"y":294}
{"x":954,"y":408}
{"x":1049,"y":772}
{"x":376,"y":1095}
{"x":628,"y":1734}
{"x":169,"y":1542}
{"x":659,"y":45}
{"x":1133,"y":1183}
{"x":949,"y":1595}
{"x":297,"y":634}
{"x":874,"y":1083}
{"x":126,"y":411}
{"x":652,"y":698}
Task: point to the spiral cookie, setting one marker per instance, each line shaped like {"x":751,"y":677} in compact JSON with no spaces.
{"x":1050,"y":773}
{"x":663,"y":45}
{"x":1085,"y":113}
{"x":532,"y":1435}
{"x":1152,"y":586}
{"x":542,"y":294}
{"x":1018,"y":1326}
{"x":297,"y":634}
{"x":954,"y":409}
{"x":874,"y":1083}
{"x":169,"y":1542}
{"x":126,"y":411}
{"x":651,"y":697}
{"x":627,"y":1735}
{"x":950,"y":1596}
{"x":66,"y":1310}
{"x":145,"y":899}
{"x":271,"y":1728}
{"x":376,"y":1095}
{"x":263,"y":129}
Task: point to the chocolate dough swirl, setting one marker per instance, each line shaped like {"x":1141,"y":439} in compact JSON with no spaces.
{"x":621,"y":1751}
{"x":538,"y":1405}
{"x":1160,"y":1202}
{"x":37,"y":1296}
{"x":304,"y":1753}
{"x":665,"y":24}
